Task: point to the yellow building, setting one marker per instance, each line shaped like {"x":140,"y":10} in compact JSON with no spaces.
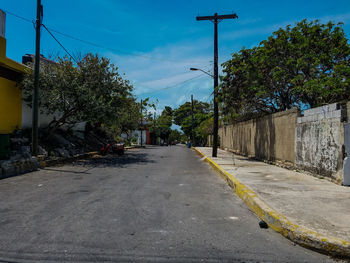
{"x":10,"y":94}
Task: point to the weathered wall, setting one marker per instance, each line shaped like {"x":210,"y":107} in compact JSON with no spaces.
{"x":269,"y":138}
{"x":210,"y":141}
{"x":137,"y":134}
{"x":44,"y":119}
{"x":319,"y":141}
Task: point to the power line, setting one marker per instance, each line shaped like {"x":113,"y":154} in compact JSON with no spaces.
{"x":59,"y":43}
{"x":100,"y":46}
{"x":114,"y":49}
{"x":170,"y":87}
{"x":208,"y":97}
{"x":18,"y":16}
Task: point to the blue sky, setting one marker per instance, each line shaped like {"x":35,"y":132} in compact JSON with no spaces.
{"x":154,"y":43}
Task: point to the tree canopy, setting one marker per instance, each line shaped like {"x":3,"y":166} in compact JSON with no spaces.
{"x":162,"y":125}
{"x":202,"y":111}
{"x":92,"y":91}
{"x":307,"y":65}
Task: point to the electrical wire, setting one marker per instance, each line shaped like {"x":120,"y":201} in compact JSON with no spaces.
{"x":170,"y":87}
{"x":59,"y":43}
{"x":18,"y":16}
{"x":101,"y":46}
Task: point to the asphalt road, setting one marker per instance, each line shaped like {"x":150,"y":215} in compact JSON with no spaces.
{"x":159,"y":204}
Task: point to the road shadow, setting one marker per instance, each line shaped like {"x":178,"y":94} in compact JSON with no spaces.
{"x":67,"y":171}
{"x":112,"y":160}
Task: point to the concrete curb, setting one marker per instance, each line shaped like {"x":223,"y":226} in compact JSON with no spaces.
{"x":278,"y":222}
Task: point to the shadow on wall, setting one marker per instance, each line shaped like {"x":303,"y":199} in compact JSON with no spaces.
{"x":265,"y":138}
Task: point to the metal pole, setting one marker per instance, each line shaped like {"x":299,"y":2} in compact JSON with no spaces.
{"x":141,"y":125}
{"x":192,"y":130}
{"x":216,"y":83}
{"x":35,"y":118}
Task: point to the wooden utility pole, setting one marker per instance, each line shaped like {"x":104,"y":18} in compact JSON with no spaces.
{"x":35,"y":117}
{"x":216,"y":19}
{"x":141,"y":126}
{"x":154,"y":129}
{"x":192,"y":130}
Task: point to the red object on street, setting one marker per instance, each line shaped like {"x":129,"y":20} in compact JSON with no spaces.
{"x":117,"y":148}
{"x":105,"y":150}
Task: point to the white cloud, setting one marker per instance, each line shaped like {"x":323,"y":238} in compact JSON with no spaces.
{"x":169,"y":66}
{"x":268,"y":29}
{"x":335,"y":18}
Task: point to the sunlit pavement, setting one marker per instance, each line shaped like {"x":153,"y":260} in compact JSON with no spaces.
{"x":159,"y":204}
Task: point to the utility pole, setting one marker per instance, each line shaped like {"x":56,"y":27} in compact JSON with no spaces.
{"x":154,"y":129}
{"x":192,"y":130}
{"x":141,"y":125}
{"x":216,"y":19}
{"x":35,"y":117}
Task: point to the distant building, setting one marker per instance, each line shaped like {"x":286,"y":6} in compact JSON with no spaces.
{"x":148,"y":137}
{"x":28,"y":59}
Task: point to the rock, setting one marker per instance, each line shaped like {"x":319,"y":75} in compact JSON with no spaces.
{"x":8,"y":168}
{"x":19,"y":140}
{"x":62,"y":152}
{"x":16,"y":157}
{"x":18,"y":166}
{"x":42,"y":151}
{"x":263,"y":224}
{"x":25,"y":150}
{"x":60,"y":140}
{"x":79,"y":134}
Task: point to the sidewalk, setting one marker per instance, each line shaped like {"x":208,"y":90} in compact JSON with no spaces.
{"x":310,"y":211}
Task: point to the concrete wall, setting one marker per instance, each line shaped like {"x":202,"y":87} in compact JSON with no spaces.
{"x":319,"y":141}
{"x":137,"y":134}
{"x":210,"y":141}
{"x":44,"y":119}
{"x":313,"y":142}
{"x":268,"y":138}
{"x":27,"y":116}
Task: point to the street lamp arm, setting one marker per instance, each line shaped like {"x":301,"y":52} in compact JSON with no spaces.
{"x":194,"y":69}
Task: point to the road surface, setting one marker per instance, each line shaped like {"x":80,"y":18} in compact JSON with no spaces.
{"x":159,"y":204}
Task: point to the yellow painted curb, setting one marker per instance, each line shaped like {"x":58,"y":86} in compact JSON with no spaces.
{"x":278,"y":222}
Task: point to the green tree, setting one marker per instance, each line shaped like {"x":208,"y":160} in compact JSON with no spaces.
{"x":90,"y":91}
{"x":184,"y":110}
{"x":175,"y":135}
{"x":307,"y":64}
{"x":204,"y":129}
{"x":183,"y":117}
{"x":164,"y":122}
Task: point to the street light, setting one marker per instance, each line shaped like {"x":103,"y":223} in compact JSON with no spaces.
{"x":216,"y":20}
{"x":194,"y":69}
{"x":215,"y":113}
